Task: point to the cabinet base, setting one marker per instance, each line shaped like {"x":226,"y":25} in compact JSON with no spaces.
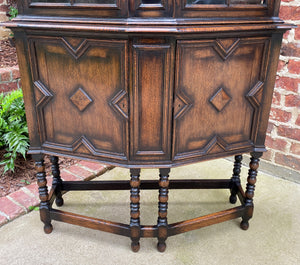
{"x":162,"y":230}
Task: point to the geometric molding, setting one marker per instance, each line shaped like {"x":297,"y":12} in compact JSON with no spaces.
{"x":216,"y":145}
{"x":254,"y":96}
{"x":182,"y":104}
{"x":46,"y":94}
{"x":81,"y":99}
{"x":225,"y":47}
{"x":83,"y":145}
{"x":120,"y":103}
{"x":76,"y":47}
{"x":220,"y":99}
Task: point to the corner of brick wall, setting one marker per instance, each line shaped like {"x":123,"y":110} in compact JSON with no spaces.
{"x":4,"y":32}
{"x":283,"y":136}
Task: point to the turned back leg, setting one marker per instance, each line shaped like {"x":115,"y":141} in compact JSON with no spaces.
{"x":57,"y":182}
{"x":236,"y":182}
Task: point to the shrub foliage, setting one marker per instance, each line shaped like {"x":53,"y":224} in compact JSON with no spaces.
{"x":13,"y":128}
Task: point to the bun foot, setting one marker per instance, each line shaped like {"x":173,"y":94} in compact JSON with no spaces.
{"x":48,"y":229}
{"x":161,"y":247}
{"x":59,"y":202}
{"x":244,"y":225}
{"x":232,"y":199}
{"x":135,"y":247}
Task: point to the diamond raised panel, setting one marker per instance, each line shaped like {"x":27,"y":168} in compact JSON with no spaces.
{"x":220,"y":99}
{"x":81,"y":99}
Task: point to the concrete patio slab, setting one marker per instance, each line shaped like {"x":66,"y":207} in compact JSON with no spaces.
{"x":273,"y":236}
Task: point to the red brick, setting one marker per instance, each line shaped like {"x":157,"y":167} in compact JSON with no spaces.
{"x":24,"y":199}
{"x":278,"y":144}
{"x":69,"y":177}
{"x":294,"y":67}
{"x":295,"y":148}
{"x":292,"y":101}
{"x":298,"y":120}
{"x":287,"y":160}
{"x":290,"y":49}
{"x":289,"y":12}
{"x":33,"y":188}
{"x":10,"y":209}
{"x":267,"y":155}
{"x":92,"y":165}
{"x":280,"y":115}
{"x":297,"y":33}
{"x":15,"y":72}
{"x":3,"y":220}
{"x":79,"y":171}
{"x":5,"y":75}
{"x":281,"y":64}
{"x":290,"y":84}
{"x":270,"y":127}
{"x":276,"y":98}
{"x":7,"y":87}
{"x":291,"y":133}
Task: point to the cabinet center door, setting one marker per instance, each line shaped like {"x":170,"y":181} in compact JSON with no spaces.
{"x":81,"y":95}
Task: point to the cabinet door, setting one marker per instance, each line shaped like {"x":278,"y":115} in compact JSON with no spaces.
{"x":81,"y":95}
{"x":219,"y":90}
{"x":151,"y":100}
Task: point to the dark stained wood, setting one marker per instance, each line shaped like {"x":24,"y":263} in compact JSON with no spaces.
{"x":196,"y":223}
{"x":148,"y":184}
{"x":249,"y":194}
{"x":135,"y":227}
{"x":162,"y":221}
{"x":57,"y":181}
{"x":147,"y":84}
{"x":236,"y":178}
{"x":89,"y":222}
{"x":43,"y":193}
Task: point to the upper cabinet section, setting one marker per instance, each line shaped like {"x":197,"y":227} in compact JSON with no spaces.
{"x":151,"y":8}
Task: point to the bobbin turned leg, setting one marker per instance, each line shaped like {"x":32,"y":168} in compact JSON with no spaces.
{"x":236,"y":182}
{"x":251,"y":180}
{"x":162,"y":222}
{"x":135,"y":228}
{"x":43,"y":192}
{"x":57,"y":182}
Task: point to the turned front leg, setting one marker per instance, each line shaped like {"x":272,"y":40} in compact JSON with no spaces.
{"x":249,"y":194}
{"x":162,"y":222}
{"x":135,"y":228}
{"x":236,"y":182}
{"x":43,"y":193}
{"x":57,"y":182}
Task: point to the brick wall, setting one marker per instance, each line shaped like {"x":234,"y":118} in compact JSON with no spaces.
{"x":9,"y":79}
{"x":4,"y":33}
{"x":283,"y":138}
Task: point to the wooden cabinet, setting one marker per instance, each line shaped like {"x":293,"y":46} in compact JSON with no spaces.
{"x":147,"y":84}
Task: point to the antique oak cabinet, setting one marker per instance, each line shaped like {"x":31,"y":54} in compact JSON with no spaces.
{"x":147,"y":84}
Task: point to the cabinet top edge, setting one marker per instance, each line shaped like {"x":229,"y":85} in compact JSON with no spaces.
{"x":172,"y":26}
